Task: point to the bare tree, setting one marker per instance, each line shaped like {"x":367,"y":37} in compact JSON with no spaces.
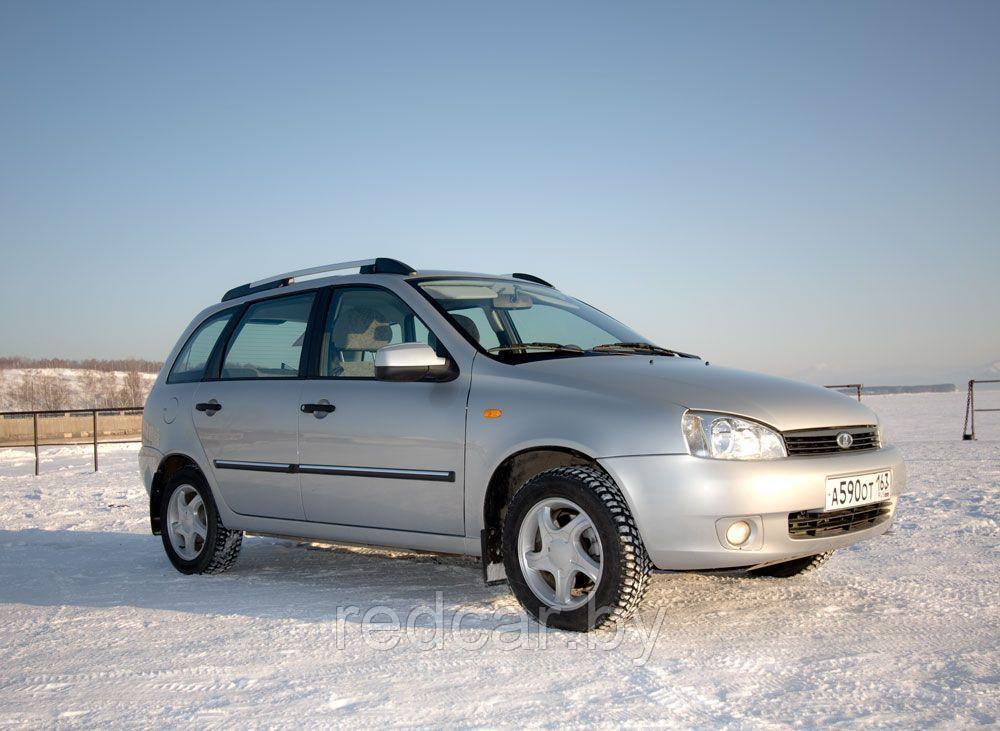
{"x":52,"y":392}
{"x":7,"y":397}
{"x":26,"y":390}
{"x":132,"y":391}
{"x":90,"y":386}
{"x":107,"y":390}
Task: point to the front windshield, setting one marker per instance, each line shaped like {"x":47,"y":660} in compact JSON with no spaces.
{"x":506,"y":317}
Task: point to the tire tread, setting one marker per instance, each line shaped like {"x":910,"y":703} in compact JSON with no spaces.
{"x":796,"y":567}
{"x":636,"y":565}
{"x":225,"y":547}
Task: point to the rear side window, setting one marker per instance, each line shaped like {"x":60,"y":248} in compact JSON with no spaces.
{"x":190,"y":364}
{"x":269,"y":339}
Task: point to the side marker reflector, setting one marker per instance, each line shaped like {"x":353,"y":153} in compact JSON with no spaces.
{"x":492,"y":413}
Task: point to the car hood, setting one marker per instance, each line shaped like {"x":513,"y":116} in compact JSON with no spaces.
{"x":778,"y":402}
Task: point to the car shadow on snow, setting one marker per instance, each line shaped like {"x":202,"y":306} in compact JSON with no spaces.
{"x":286,"y":579}
{"x":272,"y":577}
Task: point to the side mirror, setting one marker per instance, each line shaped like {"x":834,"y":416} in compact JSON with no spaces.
{"x":411,"y":362}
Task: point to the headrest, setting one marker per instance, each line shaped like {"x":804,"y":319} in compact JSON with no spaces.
{"x":468,"y":325}
{"x":361,"y":328}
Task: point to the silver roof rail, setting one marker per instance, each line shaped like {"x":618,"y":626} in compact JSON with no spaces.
{"x":378,"y":265}
{"x":531,"y":278}
{"x":357,"y":264}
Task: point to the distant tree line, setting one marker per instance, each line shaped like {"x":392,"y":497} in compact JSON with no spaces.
{"x":37,"y":389}
{"x":90,"y":364}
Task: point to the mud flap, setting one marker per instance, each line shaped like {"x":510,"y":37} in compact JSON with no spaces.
{"x":493,"y":568}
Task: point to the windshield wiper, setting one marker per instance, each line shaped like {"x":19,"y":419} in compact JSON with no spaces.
{"x":642,"y":348}
{"x":535,"y":346}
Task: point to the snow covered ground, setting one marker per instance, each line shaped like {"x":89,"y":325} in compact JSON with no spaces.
{"x":96,"y":628}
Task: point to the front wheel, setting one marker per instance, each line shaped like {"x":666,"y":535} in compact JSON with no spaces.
{"x":572,"y":552}
{"x":193,"y":535}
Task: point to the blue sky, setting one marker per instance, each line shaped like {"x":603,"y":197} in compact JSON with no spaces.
{"x":809,"y":189}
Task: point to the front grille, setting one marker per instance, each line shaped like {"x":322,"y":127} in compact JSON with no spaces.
{"x":814,"y":524}
{"x":824,"y":441}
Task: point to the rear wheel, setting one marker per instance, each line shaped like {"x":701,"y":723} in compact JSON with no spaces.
{"x":793,"y":568}
{"x":572,"y":552}
{"x":193,"y":535}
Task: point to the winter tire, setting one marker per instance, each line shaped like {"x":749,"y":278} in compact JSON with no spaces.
{"x":795,"y":567}
{"x":193,"y":535}
{"x":572,"y":551}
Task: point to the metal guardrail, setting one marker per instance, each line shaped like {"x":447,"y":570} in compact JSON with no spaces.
{"x":95,"y":414}
{"x":971,"y":410}
{"x":857,"y":386}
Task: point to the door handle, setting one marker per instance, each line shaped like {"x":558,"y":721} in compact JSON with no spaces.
{"x":210,"y":407}
{"x":318,"y":408}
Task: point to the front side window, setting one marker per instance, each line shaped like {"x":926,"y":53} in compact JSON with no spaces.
{"x":359,"y":322}
{"x":514,"y":318}
{"x":191,"y":362}
{"x":269,"y":339}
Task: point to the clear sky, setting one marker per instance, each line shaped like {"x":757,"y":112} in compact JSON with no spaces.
{"x":808,"y":189}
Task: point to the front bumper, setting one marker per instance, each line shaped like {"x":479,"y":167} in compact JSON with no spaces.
{"x":678,"y":501}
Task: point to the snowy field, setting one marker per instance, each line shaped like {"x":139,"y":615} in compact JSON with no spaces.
{"x":97,"y":629}
{"x":78,"y":388}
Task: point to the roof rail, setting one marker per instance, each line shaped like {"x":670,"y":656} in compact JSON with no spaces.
{"x":378,"y":265}
{"x":531,"y":278}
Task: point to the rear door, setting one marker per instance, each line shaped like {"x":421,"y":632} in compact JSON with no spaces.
{"x":389,"y":455}
{"x":247,"y":419}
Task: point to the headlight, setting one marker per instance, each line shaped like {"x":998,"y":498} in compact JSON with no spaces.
{"x":719,"y":436}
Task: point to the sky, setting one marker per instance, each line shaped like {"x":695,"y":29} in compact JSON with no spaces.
{"x":807,"y":189}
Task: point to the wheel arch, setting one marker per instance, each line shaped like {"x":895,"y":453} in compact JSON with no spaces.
{"x":168,"y":467}
{"x":512,"y":472}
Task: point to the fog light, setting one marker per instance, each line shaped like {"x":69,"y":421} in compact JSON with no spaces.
{"x":738,"y":533}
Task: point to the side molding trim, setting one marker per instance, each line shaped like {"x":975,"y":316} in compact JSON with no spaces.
{"x":337,"y":470}
{"x":235,"y":464}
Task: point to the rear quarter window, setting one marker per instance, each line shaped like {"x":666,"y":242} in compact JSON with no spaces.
{"x":190,"y":363}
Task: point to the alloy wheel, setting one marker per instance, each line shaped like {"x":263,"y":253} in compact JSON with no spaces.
{"x":560,"y":553}
{"x":187,"y":522}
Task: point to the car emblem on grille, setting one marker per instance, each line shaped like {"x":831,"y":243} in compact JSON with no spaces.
{"x":844,"y":440}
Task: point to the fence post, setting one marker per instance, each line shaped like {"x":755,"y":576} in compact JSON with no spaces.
{"x":856,"y":386}
{"x":972,"y":406}
{"x":34,"y":419}
{"x":94,"y":414}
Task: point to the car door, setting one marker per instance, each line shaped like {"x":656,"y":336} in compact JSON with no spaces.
{"x":372,"y":453}
{"x":247,"y":418}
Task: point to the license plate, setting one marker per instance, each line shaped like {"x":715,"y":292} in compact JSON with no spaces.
{"x":851,"y":490}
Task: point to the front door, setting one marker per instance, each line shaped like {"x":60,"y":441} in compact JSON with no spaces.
{"x":247,"y":420}
{"x":387,"y":455}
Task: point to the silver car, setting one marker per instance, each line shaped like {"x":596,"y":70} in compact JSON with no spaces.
{"x":496,"y":417}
